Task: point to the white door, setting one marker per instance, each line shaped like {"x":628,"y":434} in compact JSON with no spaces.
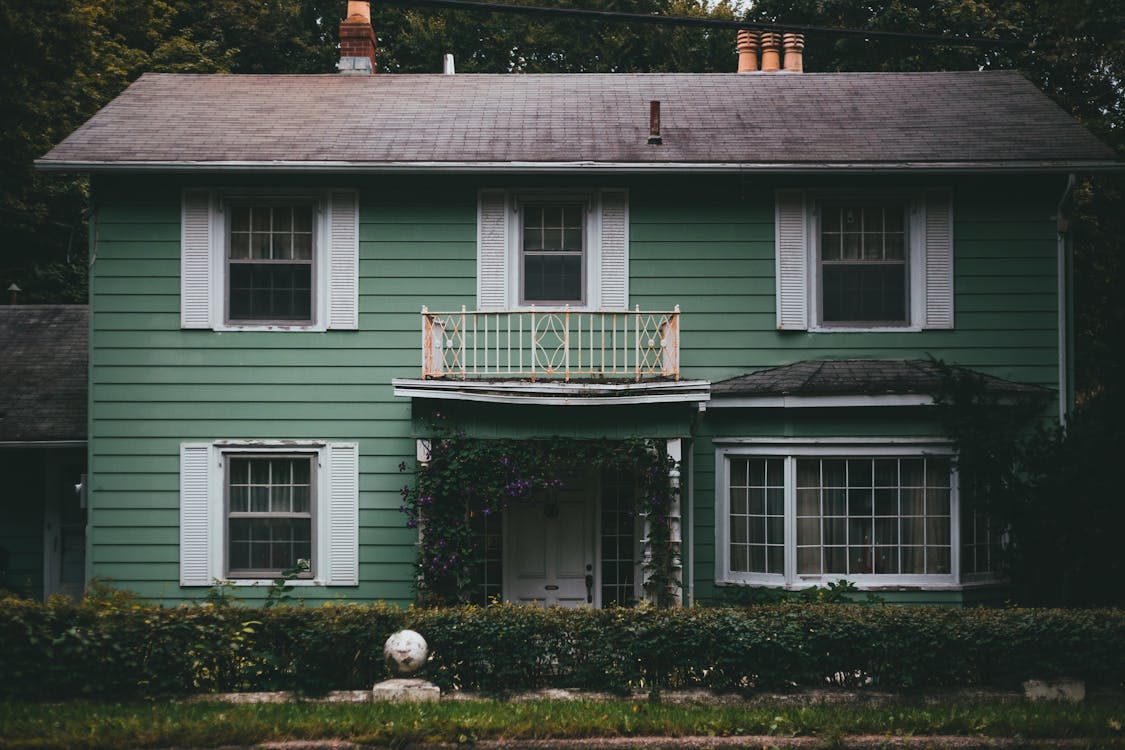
{"x":551,"y":543}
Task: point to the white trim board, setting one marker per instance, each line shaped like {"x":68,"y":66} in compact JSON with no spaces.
{"x":580,"y":167}
{"x":797,"y":402}
{"x":555,"y":394}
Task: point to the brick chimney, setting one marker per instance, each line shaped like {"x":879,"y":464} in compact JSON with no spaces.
{"x":747,"y":51}
{"x":357,"y":40}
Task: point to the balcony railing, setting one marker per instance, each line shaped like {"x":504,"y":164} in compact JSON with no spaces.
{"x":551,"y":344}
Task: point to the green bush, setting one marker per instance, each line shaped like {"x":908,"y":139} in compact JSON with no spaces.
{"x":116,"y":647}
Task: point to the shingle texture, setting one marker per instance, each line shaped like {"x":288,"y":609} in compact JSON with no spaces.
{"x":814,"y":119}
{"x":856,"y":377}
{"x":43,"y":372}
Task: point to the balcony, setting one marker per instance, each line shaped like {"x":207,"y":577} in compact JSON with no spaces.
{"x":558,"y":357}
{"x":560,"y":345}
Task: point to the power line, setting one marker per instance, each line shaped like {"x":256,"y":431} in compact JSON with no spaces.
{"x":707,"y":23}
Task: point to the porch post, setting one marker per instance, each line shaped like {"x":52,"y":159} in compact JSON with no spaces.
{"x":675,"y":530}
{"x":422,"y":454}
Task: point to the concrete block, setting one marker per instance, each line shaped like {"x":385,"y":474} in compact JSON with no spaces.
{"x":406,"y":690}
{"x":1069,"y":691}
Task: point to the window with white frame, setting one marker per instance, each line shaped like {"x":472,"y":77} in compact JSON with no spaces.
{"x":552,"y":253}
{"x":800,"y":515}
{"x":864,"y":260}
{"x":269,"y":260}
{"x":863,"y":271}
{"x":269,"y":263}
{"x":542,"y":248}
{"x":252,"y":509}
{"x":271,"y":501}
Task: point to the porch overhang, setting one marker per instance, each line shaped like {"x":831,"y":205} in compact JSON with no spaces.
{"x":554,"y":393}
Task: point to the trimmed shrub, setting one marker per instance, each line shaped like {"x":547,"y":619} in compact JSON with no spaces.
{"x":114,"y":647}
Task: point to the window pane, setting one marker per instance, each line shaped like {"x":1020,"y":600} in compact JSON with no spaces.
{"x":913,"y":528}
{"x":757,"y":501}
{"x":830,"y":247}
{"x":894,"y":246}
{"x":275,"y":291}
{"x":865,"y":293}
{"x":808,"y":502}
{"x":260,"y":246}
{"x":260,"y":219}
{"x":553,"y":278}
{"x":808,"y":531}
{"x":937,"y":559}
{"x":739,"y":558}
{"x":859,"y":502}
{"x":886,"y":502}
{"x":758,"y":558}
{"x":886,"y":559}
{"x":282,"y":246}
{"x":886,"y":472}
{"x":775,"y":501}
{"x":835,"y":502}
{"x":240,"y":219}
{"x":913,"y":560}
{"x":282,"y":218}
{"x":808,"y":560}
{"x":775,"y":559}
{"x":808,"y":473}
{"x":240,"y":245}
{"x":738,"y":505}
{"x":835,"y":560}
{"x":861,"y":560}
{"x":937,"y":502}
{"x":302,"y":218}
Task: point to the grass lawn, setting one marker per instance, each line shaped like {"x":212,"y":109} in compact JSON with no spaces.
{"x":160,"y":724}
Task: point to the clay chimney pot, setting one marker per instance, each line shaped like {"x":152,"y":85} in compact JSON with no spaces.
{"x":360,"y":8}
{"x":794,"y":58}
{"x":771,"y":52}
{"x":747,"y":51}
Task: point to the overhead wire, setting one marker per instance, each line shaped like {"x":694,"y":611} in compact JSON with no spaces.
{"x":710,"y":23}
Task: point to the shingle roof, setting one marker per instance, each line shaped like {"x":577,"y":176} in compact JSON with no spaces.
{"x":43,"y":372}
{"x":780,"y":120}
{"x":857,"y":377}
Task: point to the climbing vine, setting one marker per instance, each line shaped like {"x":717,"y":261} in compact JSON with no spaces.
{"x":466,"y":475}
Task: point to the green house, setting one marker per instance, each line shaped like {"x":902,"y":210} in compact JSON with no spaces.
{"x":292,"y":274}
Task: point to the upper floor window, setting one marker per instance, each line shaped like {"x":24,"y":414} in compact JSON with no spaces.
{"x":269,"y":261}
{"x":549,"y":249}
{"x":553,"y":253}
{"x":863,"y":263}
{"x":864,"y":260}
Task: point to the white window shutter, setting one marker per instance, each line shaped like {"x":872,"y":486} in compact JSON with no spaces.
{"x":195,"y":259}
{"x":938,"y":263}
{"x":343,"y":515}
{"x":614,"y":250}
{"x":492,"y":250}
{"x":792,"y":261}
{"x":195,"y":516}
{"x":343,"y":261}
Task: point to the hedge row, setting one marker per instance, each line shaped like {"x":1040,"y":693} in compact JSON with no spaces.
{"x":115,"y":649}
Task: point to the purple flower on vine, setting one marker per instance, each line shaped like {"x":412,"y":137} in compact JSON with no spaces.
{"x":402,"y":466}
{"x":411,"y":523}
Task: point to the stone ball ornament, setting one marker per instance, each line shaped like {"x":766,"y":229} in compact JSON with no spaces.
{"x":405,"y":652}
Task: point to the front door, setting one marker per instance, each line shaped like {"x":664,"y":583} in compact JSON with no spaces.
{"x":551,"y":543}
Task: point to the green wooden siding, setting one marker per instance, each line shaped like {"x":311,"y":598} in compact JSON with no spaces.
{"x":704,"y":243}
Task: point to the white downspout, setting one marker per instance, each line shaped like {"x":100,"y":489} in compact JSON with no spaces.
{"x":1064,"y":303}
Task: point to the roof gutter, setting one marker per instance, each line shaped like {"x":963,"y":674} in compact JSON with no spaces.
{"x":577,"y":167}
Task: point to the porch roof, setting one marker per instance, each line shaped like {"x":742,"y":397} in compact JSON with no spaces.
{"x":918,"y":380}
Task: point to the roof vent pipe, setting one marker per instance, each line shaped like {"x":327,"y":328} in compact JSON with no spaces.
{"x":447,"y":65}
{"x":654,"y":138}
{"x":747,"y":51}
{"x":794,"y":58}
